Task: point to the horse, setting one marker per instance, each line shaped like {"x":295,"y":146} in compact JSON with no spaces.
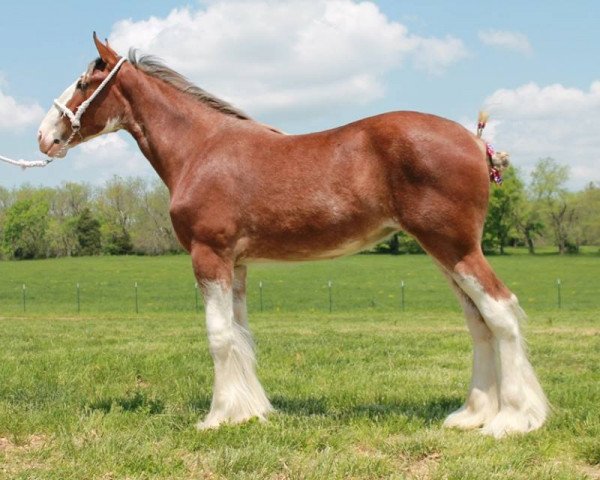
{"x":244,"y":192}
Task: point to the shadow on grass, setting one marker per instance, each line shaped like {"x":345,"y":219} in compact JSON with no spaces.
{"x":138,"y":401}
{"x":200,"y":404}
{"x":430,"y":411}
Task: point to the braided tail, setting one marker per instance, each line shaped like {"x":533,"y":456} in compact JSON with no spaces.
{"x":482,"y":122}
{"x":498,"y":160}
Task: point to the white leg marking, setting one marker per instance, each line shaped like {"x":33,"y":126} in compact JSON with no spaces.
{"x":482,"y":400}
{"x":237,"y":395}
{"x":240,"y":310}
{"x":523,"y":405}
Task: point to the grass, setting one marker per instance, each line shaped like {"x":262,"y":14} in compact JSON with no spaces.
{"x":361,"y":282}
{"x":360,"y":393}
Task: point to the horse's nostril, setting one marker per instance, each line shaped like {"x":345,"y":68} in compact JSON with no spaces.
{"x":39,"y":135}
{"x":56,"y":141}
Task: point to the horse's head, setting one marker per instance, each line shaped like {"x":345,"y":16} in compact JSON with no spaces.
{"x":58,"y":132}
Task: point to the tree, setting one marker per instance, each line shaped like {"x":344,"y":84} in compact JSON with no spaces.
{"x":118,"y":206}
{"x":87,"y":230}
{"x":66,"y":203}
{"x":548,"y":189}
{"x":25,"y":228}
{"x":529,"y":224}
{"x":153,"y":232}
{"x":399,"y":243}
{"x":5,"y":202}
{"x":75,"y":198}
{"x":502,"y":218}
{"x":587,"y":204}
{"x":116,"y":240}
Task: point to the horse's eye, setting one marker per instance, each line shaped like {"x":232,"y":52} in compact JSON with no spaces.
{"x":81,"y":85}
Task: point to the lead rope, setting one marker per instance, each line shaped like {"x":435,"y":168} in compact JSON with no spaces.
{"x":74,"y":118}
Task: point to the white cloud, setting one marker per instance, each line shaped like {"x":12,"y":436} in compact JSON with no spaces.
{"x":266,"y":56}
{"x":555,"y":121}
{"x":515,"y":41}
{"x":109,"y":155}
{"x":15,"y":115}
{"x":435,"y":55}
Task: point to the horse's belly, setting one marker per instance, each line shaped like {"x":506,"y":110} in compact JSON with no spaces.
{"x":294,"y":251}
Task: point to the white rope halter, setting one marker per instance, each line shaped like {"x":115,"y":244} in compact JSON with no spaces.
{"x":74,"y":118}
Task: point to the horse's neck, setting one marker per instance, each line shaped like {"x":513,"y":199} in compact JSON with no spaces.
{"x":169,"y":126}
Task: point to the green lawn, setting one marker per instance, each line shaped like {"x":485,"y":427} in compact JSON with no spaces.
{"x":360,"y":392}
{"x":361,"y":282}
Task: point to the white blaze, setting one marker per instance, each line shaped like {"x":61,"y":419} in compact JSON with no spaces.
{"x":52,"y":127}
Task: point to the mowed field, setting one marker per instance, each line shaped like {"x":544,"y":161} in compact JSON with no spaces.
{"x":94,"y":390}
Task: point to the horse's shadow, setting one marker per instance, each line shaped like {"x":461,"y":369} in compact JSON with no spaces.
{"x":429,"y":412}
{"x":132,"y":402}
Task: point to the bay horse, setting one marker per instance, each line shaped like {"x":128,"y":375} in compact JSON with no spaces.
{"x":243,"y":192}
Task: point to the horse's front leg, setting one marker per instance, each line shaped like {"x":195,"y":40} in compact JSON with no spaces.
{"x":237,"y":394}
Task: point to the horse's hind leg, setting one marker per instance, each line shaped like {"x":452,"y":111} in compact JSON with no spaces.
{"x":522,"y":404}
{"x":482,"y":400}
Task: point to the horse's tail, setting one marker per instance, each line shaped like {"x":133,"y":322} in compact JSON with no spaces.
{"x":481,"y":122}
{"x":498,"y":160}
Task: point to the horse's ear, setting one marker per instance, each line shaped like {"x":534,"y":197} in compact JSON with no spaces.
{"x":107,"y":54}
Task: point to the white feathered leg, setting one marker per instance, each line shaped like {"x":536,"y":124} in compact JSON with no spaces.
{"x":237,"y":395}
{"x":482,"y":400}
{"x":522,"y":404}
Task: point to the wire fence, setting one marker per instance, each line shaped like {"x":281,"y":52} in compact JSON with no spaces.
{"x":316,"y":295}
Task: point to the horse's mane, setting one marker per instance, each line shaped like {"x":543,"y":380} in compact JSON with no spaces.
{"x":152,"y":66}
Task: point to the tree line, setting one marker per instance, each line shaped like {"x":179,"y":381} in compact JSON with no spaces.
{"x":130,"y":216}
{"x":124,"y":216}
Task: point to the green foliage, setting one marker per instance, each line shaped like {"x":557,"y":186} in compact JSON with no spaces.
{"x":87,"y":230}
{"x":549,"y":193}
{"x":587,"y":204}
{"x":152,"y":231}
{"x":134,"y":217}
{"x":5,"y":202}
{"x":501,"y":221}
{"x":117,"y":241}
{"x":25,"y":228}
{"x":529,"y":224}
{"x":398,"y":244}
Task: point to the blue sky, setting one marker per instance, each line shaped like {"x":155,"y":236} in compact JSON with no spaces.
{"x":534,"y":65}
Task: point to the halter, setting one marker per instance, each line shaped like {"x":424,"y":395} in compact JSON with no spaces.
{"x":74,"y":118}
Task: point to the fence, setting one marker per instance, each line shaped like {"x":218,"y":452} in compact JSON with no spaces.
{"x":316,"y":295}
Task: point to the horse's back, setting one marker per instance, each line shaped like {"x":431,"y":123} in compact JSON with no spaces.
{"x":339,"y":190}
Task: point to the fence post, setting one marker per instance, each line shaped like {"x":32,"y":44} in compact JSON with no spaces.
{"x":402,"y":295}
{"x":24,"y":298}
{"x":329,"y":284}
{"x":137,"y":310}
{"x":559,"y":298}
{"x":78,"y":300}
{"x":260,"y":288}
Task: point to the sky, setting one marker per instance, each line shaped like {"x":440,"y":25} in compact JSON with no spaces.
{"x":309,"y":65}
